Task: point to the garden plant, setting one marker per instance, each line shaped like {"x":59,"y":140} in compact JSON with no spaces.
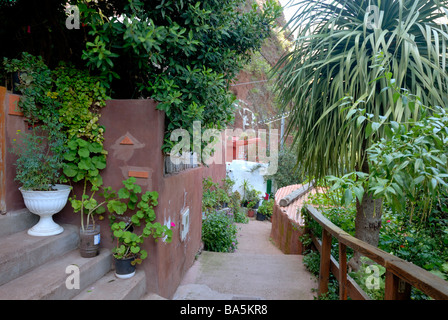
{"x":344,"y":51}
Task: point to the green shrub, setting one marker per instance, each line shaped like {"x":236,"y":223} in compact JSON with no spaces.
{"x":287,"y":174}
{"x":371,"y":279}
{"x":239,"y":216}
{"x":267,"y":207}
{"x":219,"y":234}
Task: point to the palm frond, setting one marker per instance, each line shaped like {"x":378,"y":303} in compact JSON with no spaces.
{"x":334,"y":57}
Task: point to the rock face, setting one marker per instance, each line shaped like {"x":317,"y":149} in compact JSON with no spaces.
{"x":254,"y":89}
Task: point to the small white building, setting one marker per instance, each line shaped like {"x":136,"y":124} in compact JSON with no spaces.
{"x":240,"y":170}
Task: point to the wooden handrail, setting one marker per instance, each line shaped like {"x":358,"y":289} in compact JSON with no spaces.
{"x":400,"y":274}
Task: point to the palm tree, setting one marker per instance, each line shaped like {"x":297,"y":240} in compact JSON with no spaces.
{"x":335,"y":55}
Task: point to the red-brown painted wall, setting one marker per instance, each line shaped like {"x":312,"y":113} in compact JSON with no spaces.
{"x":285,"y":232}
{"x":10,"y":121}
{"x":133,"y":138}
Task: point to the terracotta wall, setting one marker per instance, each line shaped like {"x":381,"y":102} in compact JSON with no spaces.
{"x":133,"y":138}
{"x":10,"y":121}
{"x":285,"y":232}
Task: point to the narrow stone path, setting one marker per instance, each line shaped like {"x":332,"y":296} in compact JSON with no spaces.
{"x":257,"y":270}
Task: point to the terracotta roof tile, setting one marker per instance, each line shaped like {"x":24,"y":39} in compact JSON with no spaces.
{"x":293,"y":209}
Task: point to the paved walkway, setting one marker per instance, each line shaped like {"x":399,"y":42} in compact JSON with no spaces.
{"x":257,"y":270}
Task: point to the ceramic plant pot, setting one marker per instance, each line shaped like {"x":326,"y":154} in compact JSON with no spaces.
{"x":45,"y":204}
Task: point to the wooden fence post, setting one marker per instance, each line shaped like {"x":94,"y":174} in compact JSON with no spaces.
{"x":325,"y":255}
{"x":396,"y":289}
{"x":342,"y":271}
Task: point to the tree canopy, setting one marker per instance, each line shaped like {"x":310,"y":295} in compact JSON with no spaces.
{"x":181,"y":53}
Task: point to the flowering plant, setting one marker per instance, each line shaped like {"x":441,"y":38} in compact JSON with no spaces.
{"x":251,"y":204}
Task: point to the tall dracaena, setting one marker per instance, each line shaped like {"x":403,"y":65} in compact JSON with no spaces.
{"x":335,"y":56}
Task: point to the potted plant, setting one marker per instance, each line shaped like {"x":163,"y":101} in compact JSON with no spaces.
{"x":253,"y":195}
{"x":261,"y":213}
{"x":128,"y":251}
{"x":38,"y":169}
{"x":246,"y":187}
{"x":250,"y":210}
{"x":88,"y":206}
{"x":265,"y":210}
{"x":83,"y":161}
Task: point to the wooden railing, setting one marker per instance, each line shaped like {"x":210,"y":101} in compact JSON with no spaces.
{"x":400,"y":274}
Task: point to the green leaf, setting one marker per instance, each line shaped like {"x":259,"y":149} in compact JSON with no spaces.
{"x":100,"y":210}
{"x":118,"y":233}
{"x":347,"y":198}
{"x":375,"y":126}
{"x":70,"y":170}
{"x":70,"y":156}
{"x":123,"y":193}
{"x":117,"y":207}
{"x":99,"y":162}
{"x":135,"y":249}
{"x":360,"y":120}
{"x":82,"y":143}
{"x":97,"y":181}
{"x":76,"y":205}
{"x":84,"y":152}
{"x":86,"y":164}
{"x":95,"y":147}
{"x":72,"y":145}
{"x":135,"y":220}
{"x":359,"y":193}
{"x":137,"y":189}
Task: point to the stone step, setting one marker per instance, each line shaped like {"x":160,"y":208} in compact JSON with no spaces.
{"x":110,"y":287}
{"x":16,"y":221}
{"x":152,"y":296}
{"x":52,"y":280}
{"x":21,"y":253}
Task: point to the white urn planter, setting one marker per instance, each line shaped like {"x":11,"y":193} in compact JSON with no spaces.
{"x":45,"y":204}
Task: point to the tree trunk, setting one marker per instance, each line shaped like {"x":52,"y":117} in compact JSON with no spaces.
{"x":367,"y":225}
{"x":368,"y":220}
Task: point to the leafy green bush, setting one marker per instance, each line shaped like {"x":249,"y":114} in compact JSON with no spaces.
{"x":35,"y":84}
{"x":219,"y":234}
{"x":424,"y":243}
{"x":286,"y":174}
{"x":371,"y":279}
{"x":239,"y":216}
{"x":183,"y":54}
{"x":267,"y":207}
{"x":311,"y":260}
{"x":39,"y":159}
